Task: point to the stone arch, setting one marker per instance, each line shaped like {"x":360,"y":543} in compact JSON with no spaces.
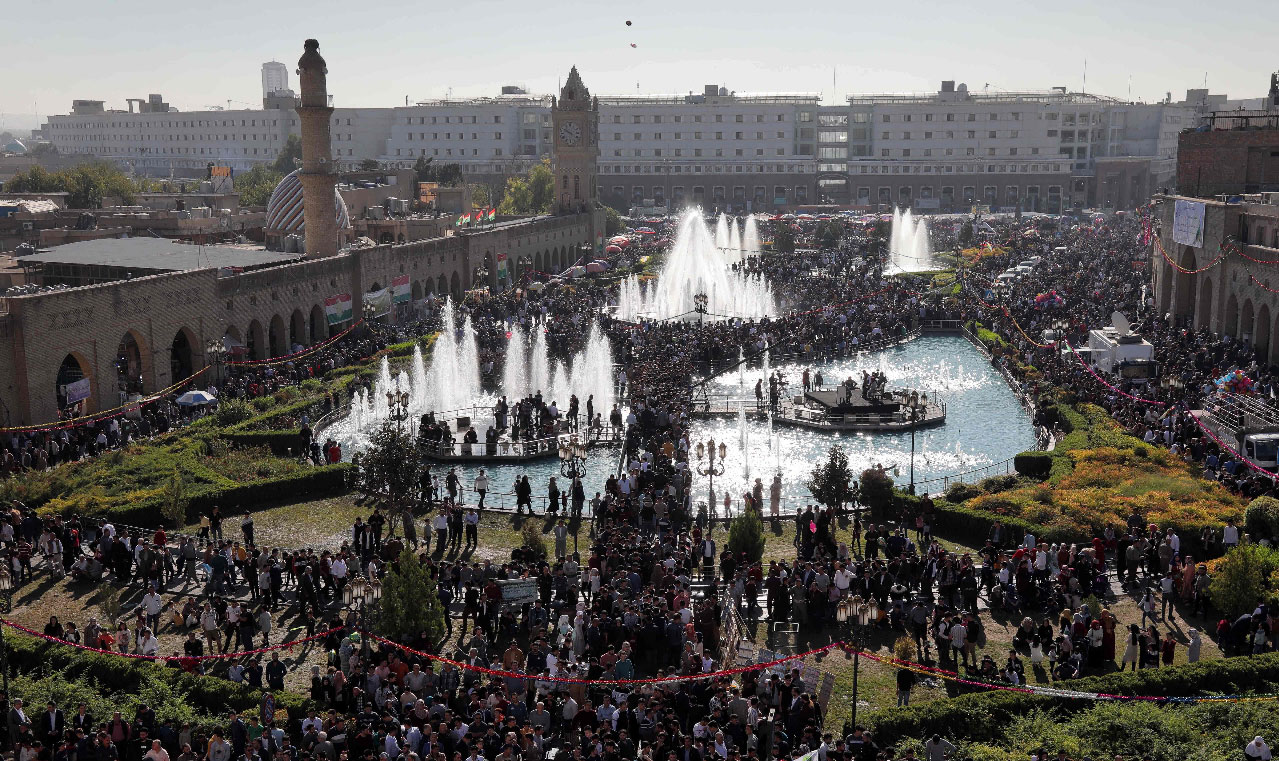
{"x":539,"y":262}
{"x":297,"y":328}
{"x":1262,"y":339}
{"x":75,"y":367}
{"x":255,"y":341}
{"x":1203,"y":313}
{"x":182,"y":351}
{"x":319,"y":324}
{"x":400,"y":238}
{"x":1230,"y":319}
{"x":1184,"y":297}
{"x":442,"y":286}
{"x":1247,"y":329}
{"x":490,"y":264}
{"x":133,"y":363}
{"x":416,"y":291}
{"x":277,"y":337}
{"x":455,"y":286}
{"x":386,"y":237}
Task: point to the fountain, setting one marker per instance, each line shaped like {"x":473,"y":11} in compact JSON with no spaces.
{"x":909,"y":246}
{"x":743,"y":438}
{"x":695,"y":266}
{"x":750,"y":237}
{"x":721,"y":232}
{"x":734,"y":252}
{"x":451,"y":382}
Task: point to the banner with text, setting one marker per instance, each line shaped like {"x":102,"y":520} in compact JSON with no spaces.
{"x":338,"y":308}
{"x":1188,"y":223}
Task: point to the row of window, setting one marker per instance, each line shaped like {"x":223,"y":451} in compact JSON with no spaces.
{"x":639,"y":136}
{"x":697,"y":152}
{"x":803,"y":116}
{"x":951,"y":168}
{"x":719,"y":193}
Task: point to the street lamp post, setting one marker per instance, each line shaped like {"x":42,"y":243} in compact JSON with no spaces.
{"x":711,"y":469}
{"x":370,"y":313}
{"x":859,"y":616}
{"x":359,"y":596}
{"x":6,"y":588}
{"x":699,"y":305}
{"x":215,"y":352}
{"x":914,"y":418}
{"x":572,"y":455}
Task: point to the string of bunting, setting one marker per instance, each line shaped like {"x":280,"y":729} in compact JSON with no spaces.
{"x":1221,"y":254}
{"x":139,"y":656}
{"x":502,"y":673}
{"x":94,"y":417}
{"x":1238,"y":457}
{"x":1109,"y":385}
{"x":1238,"y":249}
{"x":296,"y":355}
{"x":1261,"y":285}
{"x":1056,"y":692}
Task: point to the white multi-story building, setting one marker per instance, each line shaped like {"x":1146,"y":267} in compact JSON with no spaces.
{"x":275,"y":78}
{"x":181,"y":143}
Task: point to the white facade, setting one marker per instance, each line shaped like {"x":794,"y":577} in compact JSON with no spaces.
{"x":275,"y":77}
{"x":502,"y":135}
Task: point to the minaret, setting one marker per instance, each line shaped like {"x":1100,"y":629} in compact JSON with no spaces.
{"x":318,"y":177}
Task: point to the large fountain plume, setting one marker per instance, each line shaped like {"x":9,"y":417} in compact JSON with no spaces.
{"x":909,"y":246}
{"x":696,"y":265}
{"x":451,"y":385}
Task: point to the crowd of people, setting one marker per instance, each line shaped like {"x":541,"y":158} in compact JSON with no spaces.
{"x":641,"y":603}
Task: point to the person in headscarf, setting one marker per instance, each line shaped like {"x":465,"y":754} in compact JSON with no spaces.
{"x":1257,"y":750}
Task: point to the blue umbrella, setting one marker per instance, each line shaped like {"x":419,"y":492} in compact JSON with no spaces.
{"x":195,"y":399}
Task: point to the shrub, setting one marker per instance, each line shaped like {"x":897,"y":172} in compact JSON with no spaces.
{"x":232,"y":412}
{"x":876,"y":490}
{"x":1033,"y":464}
{"x":263,"y":403}
{"x":997,"y":484}
{"x":1261,"y":519}
{"x":961,"y":492}
{"x":1242,"y":577}
{"x":533,"y":542}
{"x":746,"y":536}
{"x":410,"y":605}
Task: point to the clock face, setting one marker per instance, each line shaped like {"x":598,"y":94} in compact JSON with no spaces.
{"x":570,"y":133}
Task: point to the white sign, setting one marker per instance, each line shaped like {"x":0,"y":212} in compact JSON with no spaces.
{"x":77,"y":391}
{"x":1188,"y":223}
{"x":516,"y":592}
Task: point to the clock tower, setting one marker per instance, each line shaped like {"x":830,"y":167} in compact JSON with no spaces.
{"x":575,"y":121}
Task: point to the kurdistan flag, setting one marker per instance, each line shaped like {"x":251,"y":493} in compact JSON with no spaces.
{"x":463,"y":219}
{"x":491,"y":216}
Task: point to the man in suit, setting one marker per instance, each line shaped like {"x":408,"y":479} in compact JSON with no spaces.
{"x":688,"y":752}
{"x":83,"y":720}
{"x":17,"y":720}
{"x":52,"y":723}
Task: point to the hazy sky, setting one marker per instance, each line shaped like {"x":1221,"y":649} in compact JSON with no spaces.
{"x":199,"y":54}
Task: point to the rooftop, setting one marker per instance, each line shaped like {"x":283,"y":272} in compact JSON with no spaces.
{"x":155,"y":254}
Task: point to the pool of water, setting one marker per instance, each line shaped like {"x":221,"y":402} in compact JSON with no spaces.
{"x":984,"y":425}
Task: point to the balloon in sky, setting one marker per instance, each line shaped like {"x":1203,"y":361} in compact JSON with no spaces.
{"x":628,"y":22}
{"x":634,"y":45}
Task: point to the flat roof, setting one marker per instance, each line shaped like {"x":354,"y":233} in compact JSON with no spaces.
{"x":156,"y":254}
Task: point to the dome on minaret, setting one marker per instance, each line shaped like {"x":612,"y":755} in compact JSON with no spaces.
{"x":284,"y":209}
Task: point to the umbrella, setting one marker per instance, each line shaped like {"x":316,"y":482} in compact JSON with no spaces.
{"x":577,"y":271}
{"x":612,"y":249}
{"x":195,"y":399}
{"x":594,"y":267}
{"x":536,"y":286}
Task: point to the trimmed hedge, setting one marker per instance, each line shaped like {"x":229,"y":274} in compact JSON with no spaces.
{"x":113,"y":674}
{"x":1033,"y":464}
{"x":281,"y":443}
{"x":324,"y":481}
{"x":983,"y":717}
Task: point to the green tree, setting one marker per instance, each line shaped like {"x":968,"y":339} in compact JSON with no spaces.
{"x":422,"y":167}
{"x":831,"y":483}
{"x":829,"y":233}
{"x":37,"y":179}
{"x":613,"y":223}
{"x":42,"y":150}
{"x":256,"y":185}
{"x":449,"y":175}
{"x":518,"y":198}
{"x":877,"y":489}
{"x":389,"y":471}
{"x":290,"y":157}
{"x":481,"y":196}
{"x":541,"y":183}
{"x":746,"y":536}
{"x":369,"y":165}
{"x":410,"y":603}
{"x":966,"y":235}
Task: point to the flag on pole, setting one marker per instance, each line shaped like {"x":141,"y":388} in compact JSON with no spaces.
{"x":491,"y":216}
{"x":461,"y":219}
